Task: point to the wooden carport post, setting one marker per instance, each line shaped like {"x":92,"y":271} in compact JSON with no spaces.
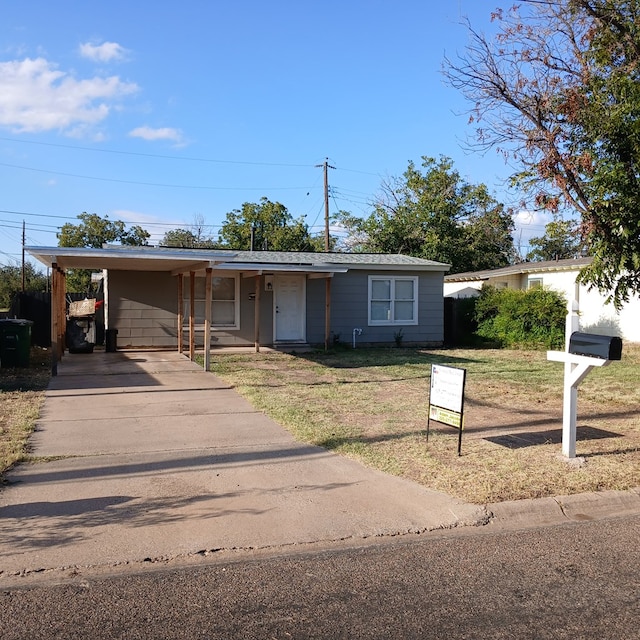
{"x":256,"y":309}
{"x":327,"y":312}
{"x":207,"y":318}
{"x":192,"y":312}
{"x":180,"y":310}
{"x":58,"y":288}
{"x":54,"y":319}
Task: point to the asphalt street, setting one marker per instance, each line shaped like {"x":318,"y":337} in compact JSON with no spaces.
{"x":578,"y":580}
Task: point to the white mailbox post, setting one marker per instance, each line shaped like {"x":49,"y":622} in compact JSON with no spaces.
{"x":576,"y":369}
{"x":582,"y":353}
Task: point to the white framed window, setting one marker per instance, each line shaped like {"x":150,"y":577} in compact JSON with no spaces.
{"x":534,"y":283}
{"x":393,"y":300}
{"x":225,"y":306}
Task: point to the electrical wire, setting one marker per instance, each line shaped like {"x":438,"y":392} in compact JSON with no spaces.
{"x":155,"y":155}
{"x":148,"y":184}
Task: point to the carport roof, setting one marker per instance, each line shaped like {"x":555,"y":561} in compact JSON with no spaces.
{"x":124,"y":258}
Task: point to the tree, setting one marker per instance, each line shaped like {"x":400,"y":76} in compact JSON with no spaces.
{"x":94,"y":231}
{"x":271,"y":226}
{"x":194,"y":237}
{"x":558,"y":92}
{"x":436,"y":215}
{"x":561,"y":240}
{"x":11,"y":282}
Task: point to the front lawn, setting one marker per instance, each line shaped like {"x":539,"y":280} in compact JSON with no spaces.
{"x":371,"y":405}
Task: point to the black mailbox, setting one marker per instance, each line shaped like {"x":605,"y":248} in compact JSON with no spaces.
{"x":595,"y":346}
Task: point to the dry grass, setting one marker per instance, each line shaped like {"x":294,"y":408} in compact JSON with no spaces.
{"x":372,"y":405}
{"x":21,"y":397}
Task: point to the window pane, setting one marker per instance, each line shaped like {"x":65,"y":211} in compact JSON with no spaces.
{"x":198,"y":316}
{"x":404,"y":311}
{"x":199,"y":289}
{"x":404,"y":289}
{"x":381,"y":289}
{"x":223,"y":313}
{"x":224,"y":289}
{"x":380,"y":311}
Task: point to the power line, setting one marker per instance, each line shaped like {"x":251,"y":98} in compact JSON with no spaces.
{"x":156,"y":155}
{"x":141,"y":223}
{"x":148,"y":184}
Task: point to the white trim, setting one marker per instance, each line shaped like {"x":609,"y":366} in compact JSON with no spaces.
{"x":390,"y":322}
{"x":217,"y":327}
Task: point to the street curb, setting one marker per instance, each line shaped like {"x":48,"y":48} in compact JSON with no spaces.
{"x":582,"y":507}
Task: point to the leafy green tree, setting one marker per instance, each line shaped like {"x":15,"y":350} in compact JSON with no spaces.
{"x":179,"y":238}
{"x":557,"y":90}
{"x":274,"y":229}
{"x":435,"y":214}
{"x":94,"y":231}
{"x":561,"y":240}
{"x":11,"y":282}
{"x":193,"y":237}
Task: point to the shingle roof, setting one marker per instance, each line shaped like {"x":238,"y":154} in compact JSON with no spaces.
{"x":169,"y":258}
{"x":367,"y":259}
{"x":570,"y":264}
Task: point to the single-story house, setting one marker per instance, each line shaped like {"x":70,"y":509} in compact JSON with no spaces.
{"x":560,"y":275}
{"x":168,"y":298}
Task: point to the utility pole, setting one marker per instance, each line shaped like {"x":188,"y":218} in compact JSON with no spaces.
{"x":327,"y":246}
{"x":326,"y":166}
{"x":23,"y":242}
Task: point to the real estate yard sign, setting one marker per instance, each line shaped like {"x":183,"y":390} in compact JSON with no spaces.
{"x":446,"y":398}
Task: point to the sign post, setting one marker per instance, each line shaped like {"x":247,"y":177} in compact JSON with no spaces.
{"x":446,"y":398}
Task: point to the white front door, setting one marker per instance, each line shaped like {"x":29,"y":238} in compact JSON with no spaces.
{"x":289,"y":308}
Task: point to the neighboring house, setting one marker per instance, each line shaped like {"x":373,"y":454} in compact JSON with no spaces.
{"x":559,"y":275}
{"x":154,"y":295}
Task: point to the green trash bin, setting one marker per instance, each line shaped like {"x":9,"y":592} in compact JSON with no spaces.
{"x":15,"y":343}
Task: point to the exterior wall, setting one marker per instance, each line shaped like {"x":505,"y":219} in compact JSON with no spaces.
{"x":595,"y":315}
{"x":472,"y":288}
{"x":349,"y":310}
{"x":462,"y":289}
{"x":143,"y":308}
{"x":245,"y":335}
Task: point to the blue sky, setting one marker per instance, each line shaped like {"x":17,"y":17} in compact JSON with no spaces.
{"x":156,"y":113}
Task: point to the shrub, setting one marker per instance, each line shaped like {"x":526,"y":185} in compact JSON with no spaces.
{"x":523,"y":319}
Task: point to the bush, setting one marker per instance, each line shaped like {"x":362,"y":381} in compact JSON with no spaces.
{"x":532,"y":319}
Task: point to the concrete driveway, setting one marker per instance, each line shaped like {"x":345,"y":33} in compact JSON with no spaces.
{"x":143,"y":456}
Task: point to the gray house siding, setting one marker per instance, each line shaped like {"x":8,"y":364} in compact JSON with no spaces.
{"x":349,"y":310}
{"x":143,"y":308}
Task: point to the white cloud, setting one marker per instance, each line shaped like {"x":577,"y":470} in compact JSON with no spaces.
{"x":105,"y":52}
{"x":36,"y":96}
{"x":528,"y":218}
{"x":529,"y":224}
{"x":163,"y":133}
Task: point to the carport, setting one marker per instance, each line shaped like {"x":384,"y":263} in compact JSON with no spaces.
{"x":185,"y":264}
